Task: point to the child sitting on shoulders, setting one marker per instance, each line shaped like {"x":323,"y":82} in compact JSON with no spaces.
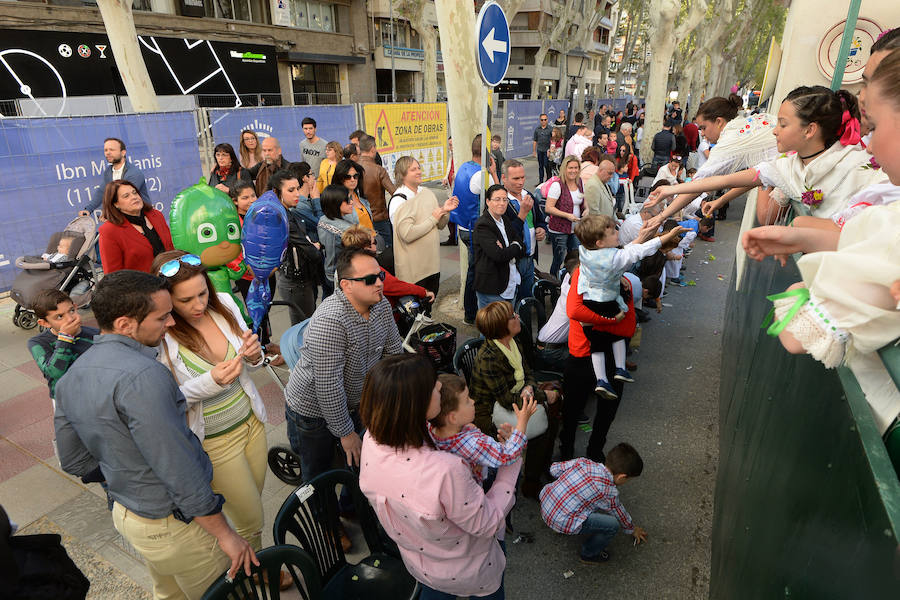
{"x":452,"y":430}
{"x":585,"y":499}
{"x":602,"y":266}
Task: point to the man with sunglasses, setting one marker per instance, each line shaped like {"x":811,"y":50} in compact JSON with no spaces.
{"x":540,"y":144}
{"x":351,"y":330}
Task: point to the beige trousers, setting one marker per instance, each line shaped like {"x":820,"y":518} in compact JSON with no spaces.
{"x":183,"y":558}
{"x":239,"y":460}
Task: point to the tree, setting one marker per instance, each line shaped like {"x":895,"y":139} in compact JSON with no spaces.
{"x":665,"y":35}
{"x":586,"y":21}
{"x":635,"y":11}
{"x":119,"y":23}
{"x":414,"y":12}
{"x":548,"y":39}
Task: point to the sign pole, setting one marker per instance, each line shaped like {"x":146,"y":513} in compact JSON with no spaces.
{"x":492,"y":36}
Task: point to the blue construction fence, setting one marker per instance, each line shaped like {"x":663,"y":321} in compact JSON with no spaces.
{"x":53,"y":165}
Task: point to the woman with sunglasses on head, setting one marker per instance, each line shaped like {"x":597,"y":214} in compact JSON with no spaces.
{"x":299,"y":271}
{"x":209,"y":350}
{"x":337,"y":207}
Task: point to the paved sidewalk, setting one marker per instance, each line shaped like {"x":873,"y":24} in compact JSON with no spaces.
{"x":670,"y":414}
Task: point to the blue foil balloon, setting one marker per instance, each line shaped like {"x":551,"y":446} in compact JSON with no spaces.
{"x":264,"y":239}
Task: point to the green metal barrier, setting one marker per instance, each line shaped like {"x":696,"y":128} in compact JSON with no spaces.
{"x":807,"y":503}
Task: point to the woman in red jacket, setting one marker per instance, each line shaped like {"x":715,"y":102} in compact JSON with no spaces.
{"x":358,"y":236}
{"x":134,"y":231}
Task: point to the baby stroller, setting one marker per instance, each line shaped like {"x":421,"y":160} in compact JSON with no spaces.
{"x":65,"y":266}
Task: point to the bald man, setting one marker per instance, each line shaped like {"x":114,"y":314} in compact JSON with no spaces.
{"x":272,"y":161}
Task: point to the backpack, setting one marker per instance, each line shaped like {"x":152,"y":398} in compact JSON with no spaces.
{"x":545,"y":187}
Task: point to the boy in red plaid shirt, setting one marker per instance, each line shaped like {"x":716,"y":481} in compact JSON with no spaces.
{"x":585,"y":499}
{"x":452,"y":430}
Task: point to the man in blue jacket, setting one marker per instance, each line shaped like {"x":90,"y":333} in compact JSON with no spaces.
{"x":467,"y":187}
{"x":118,"y":168}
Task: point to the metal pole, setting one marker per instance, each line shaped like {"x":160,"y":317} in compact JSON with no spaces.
{"x":569,"y":119}
{"x":393,"y":52}
{"x":841,"y":62}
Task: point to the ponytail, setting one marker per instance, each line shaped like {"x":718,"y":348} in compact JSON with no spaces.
{"x":727,"y":108}
{"x":836,"y":113}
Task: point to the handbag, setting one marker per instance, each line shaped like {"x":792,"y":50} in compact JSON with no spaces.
{"x":537,"y":424}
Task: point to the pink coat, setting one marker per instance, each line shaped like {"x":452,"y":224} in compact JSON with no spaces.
{"x":444,"y":524}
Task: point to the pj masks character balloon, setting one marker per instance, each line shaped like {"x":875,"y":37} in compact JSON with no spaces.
{"x":265,"y":237}
{"x":204,"y":221}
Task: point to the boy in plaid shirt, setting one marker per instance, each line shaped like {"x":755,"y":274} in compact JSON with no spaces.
{"x":585,"y":499}
{"x":452,"y":430}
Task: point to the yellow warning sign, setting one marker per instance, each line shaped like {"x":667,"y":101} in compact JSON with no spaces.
{"x":418,"y":130}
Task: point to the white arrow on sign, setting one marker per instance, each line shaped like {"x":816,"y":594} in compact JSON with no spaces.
{"x":491,"y":45}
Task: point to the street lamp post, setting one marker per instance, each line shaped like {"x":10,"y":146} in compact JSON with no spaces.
{"x":581,"y":56}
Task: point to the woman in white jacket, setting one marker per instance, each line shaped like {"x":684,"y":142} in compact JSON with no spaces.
{"x":209,"y":350}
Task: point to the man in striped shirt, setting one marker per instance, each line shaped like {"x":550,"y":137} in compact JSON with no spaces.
{"x":585,"y":499}
{"x":351,"y":330}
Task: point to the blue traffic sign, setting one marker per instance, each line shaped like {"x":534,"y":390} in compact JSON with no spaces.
{"x":492,"y":33}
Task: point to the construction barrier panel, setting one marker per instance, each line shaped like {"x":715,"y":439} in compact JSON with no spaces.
{"x":333,"y":122}
{"x":405,"y":129}
{"x":53,"y":166}
{"x":807,"y":503}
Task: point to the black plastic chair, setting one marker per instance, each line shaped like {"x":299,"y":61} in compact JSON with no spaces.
{"x":311,"y":515}
{"x":464,"y":359}
{"x":271,"y":560}
{"x":546,"y":290}
{"x":529,"y":310}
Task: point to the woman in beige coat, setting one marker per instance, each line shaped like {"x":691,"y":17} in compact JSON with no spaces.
{"x":416,"y":218}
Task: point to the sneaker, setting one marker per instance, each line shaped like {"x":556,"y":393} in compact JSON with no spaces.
{"x":469,"y":322}
{"x":583,"y":419}
{"x":707,"y":238}
{"x":595,"y":560}
{"x":623,"y":375}
{"x":605,"y":390}
{"x":449,"y":243}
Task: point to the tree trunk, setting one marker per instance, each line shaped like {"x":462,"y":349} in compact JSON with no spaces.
{"x":466,"y":95}
{"x":119,"y":23}
{"x":547,"y":41}
{"x":414,"y":12}
{"x":631,"y":36}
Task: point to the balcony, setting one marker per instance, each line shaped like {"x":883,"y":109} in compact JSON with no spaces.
{"x":525,"y":39}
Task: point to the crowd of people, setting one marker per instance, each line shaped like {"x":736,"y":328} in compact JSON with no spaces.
{"x":159,"y":408}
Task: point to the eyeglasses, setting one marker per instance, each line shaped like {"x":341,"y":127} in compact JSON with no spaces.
{"x":171,"y":268}
{"x":354,"y":176}
{"x":367,"y":279}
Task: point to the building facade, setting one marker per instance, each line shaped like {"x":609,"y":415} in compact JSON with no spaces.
{"x":220,"y":52}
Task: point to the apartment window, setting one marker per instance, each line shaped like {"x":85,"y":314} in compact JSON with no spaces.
{"x":317,"y":16}
{"x":238,"y":10}
{"x":402,"y":34}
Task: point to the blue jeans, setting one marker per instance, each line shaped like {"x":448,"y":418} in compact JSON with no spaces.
{"x":485,"y":299}
{"x":526,"y":271}
{"x":313,"y":442}
{"x":470,"y":302}
{"x":561,"y":244}
{"x":428,"y":593}
{"x":543,"y":166}
{"x":600,"y":528}
{"x":386,"y":230}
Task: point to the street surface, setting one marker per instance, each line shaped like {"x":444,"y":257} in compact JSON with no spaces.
{"x":670,"y":414}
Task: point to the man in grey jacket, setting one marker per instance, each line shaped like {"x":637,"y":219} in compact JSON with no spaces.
{"x":120,"y":409}
{"x":118,"y":168}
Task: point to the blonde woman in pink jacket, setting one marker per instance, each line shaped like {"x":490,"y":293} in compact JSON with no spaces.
{"x":445,"y":525}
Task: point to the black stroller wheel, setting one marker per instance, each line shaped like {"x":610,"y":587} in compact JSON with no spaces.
{"x":285,"y":463}
{"x":27,"y":320}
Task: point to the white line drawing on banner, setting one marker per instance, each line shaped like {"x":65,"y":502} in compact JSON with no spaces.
{"x":24,"y":87}
{"x":190,"y":46}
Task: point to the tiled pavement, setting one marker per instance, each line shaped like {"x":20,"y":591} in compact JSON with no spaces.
{"x":41,"y":498}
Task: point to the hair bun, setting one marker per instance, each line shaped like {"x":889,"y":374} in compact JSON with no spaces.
{"x":736,"y":101}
